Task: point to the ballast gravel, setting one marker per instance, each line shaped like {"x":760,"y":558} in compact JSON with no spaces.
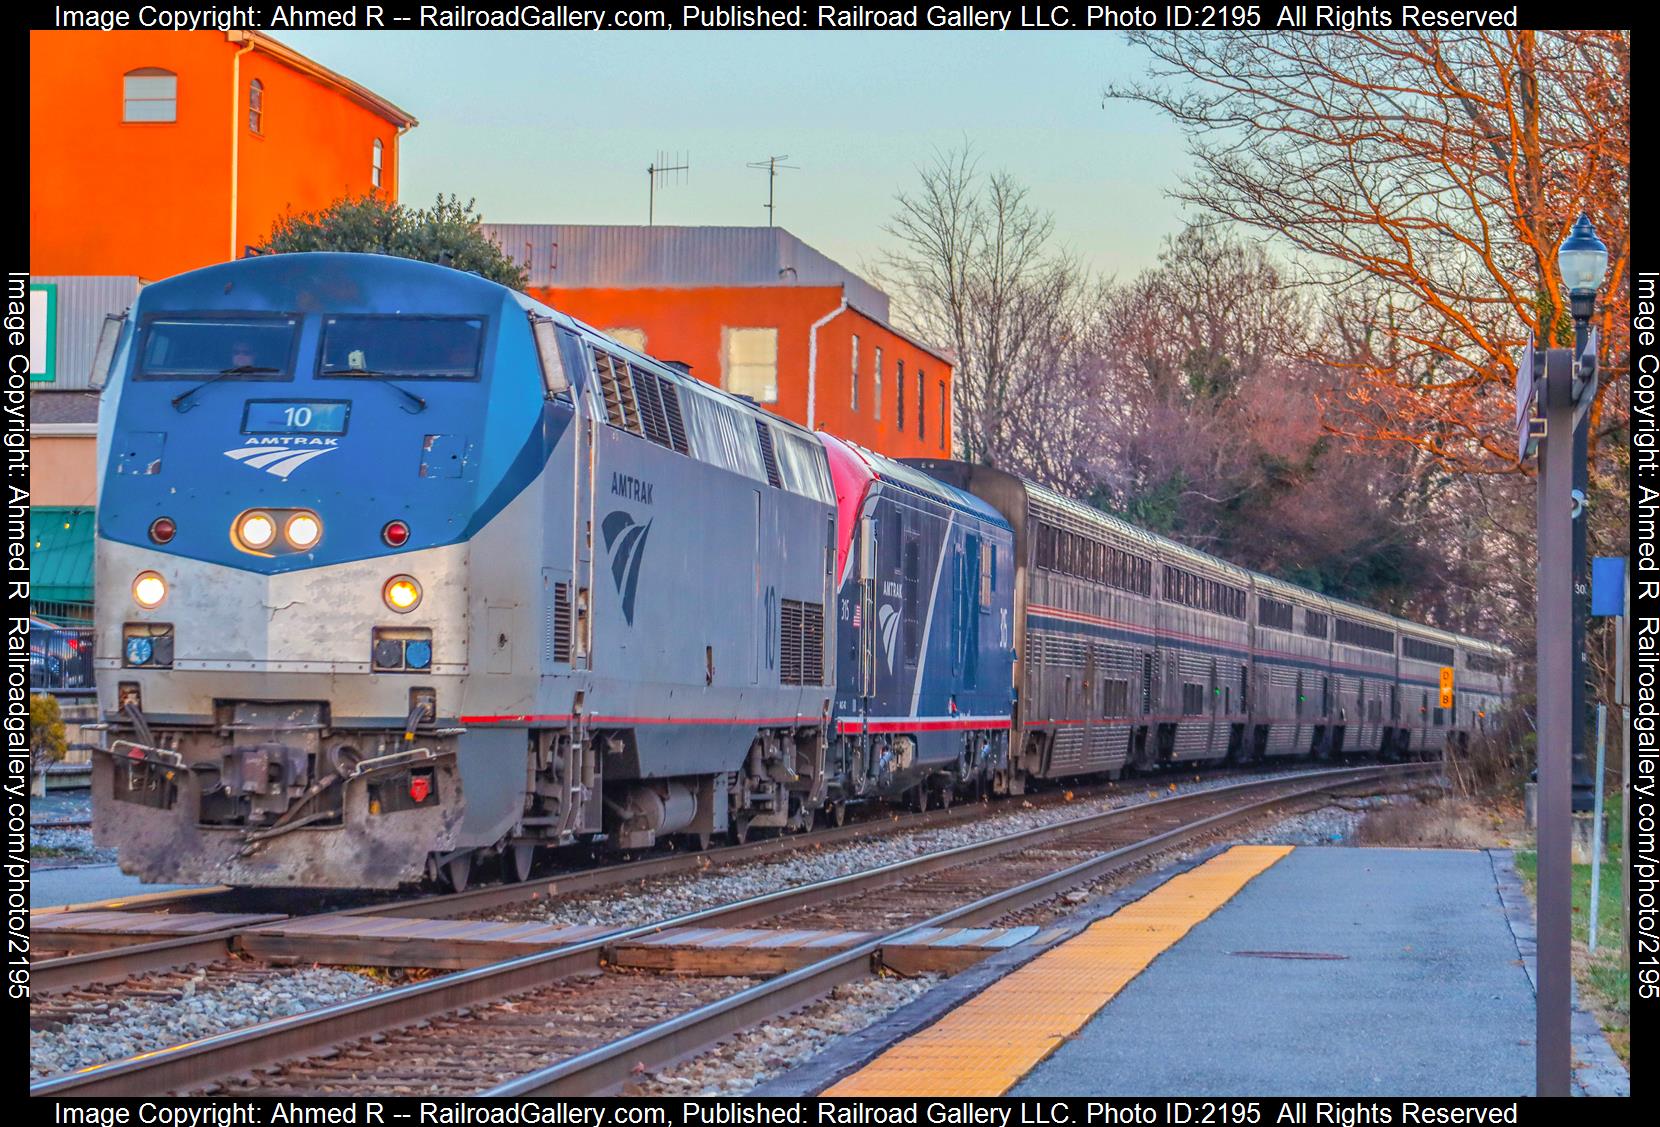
{"x":1329,"y":825}
{"x":769,"y":1050}
{"x":663,"y":898}
{"x":204,"y":1006}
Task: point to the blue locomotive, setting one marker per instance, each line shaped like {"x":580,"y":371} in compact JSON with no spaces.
{"x":398,"y":569}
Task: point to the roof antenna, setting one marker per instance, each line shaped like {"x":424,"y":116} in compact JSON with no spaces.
{"x":772,"y":165}
{"x":659,"y":167}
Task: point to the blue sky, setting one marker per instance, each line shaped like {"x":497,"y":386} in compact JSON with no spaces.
{"x":558,"y":127}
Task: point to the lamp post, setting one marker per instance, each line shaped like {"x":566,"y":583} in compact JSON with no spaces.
{"x":1582,"y":261}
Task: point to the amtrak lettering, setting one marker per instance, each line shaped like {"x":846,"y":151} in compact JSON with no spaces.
{"x":626,"y":541}
{"x":278,"y":456}
{"x":631,"y":488}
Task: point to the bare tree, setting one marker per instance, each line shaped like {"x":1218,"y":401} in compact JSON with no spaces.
{"x":1431,"y":176}
{"x":974,"y":267}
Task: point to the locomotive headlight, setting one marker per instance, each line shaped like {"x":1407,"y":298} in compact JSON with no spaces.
{"x":149,"y":589}
{"x":402,"y":593}
{"x":303,"y":530}
{"x":256,"y":530}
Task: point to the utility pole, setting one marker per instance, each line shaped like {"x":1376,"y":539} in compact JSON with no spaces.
{"x":772,"y":165}
{"x":1551,"y":386}
{"x":1556,"y":724}
{"x":658,"y":167}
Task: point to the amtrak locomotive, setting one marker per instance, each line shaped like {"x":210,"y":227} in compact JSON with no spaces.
{"x":398,"y":569}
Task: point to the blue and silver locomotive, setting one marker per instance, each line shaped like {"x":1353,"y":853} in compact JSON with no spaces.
{"x":398,"y":568}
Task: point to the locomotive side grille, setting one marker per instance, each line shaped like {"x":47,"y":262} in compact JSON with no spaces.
{"x":801,"y":643}
{"x":616,"y":385}
{"x":789,"y":645}
{"x":812,"y":643}
{"x":769,"y":455}
{"x":671,"y":413}
{"x":649,"y":390}
{"x":560,"y":622}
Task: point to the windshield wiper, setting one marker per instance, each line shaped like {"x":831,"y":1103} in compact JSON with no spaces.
{"x":239,"y":370}
{"x":380,"y":378}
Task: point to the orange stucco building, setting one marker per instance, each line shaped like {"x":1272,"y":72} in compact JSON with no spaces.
{"x":156,"y":152}
{"x":152,"y":153}
{"x":753,"y":310}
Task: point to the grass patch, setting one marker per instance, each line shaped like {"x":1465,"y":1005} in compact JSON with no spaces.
{"x":1604,"y":978}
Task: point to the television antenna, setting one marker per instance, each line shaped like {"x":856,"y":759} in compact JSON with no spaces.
{"x":772,"y":165}
{"x":657,"y":172}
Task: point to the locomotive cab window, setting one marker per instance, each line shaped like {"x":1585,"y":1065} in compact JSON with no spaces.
{"x":409,"y":348}
{"x":244,"y":346}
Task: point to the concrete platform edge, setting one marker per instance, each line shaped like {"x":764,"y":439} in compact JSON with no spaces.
{"x":1598,"y":1070}
{"x":852,"y":1052}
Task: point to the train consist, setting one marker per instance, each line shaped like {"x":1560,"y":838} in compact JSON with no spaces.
{"x":398,"y":569}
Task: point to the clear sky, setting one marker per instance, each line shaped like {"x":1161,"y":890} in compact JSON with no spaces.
{"x":558,"y":127}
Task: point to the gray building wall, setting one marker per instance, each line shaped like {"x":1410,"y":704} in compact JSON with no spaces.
{"x":577,"y":256}
{"x":83,"y":303}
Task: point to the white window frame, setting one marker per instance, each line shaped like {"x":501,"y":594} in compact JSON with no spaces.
{"x":855,"y":396}
{"x":877,"y":383}
{"x":377,"y":163}
{"x":128,"y":99}
{"x":729,"y":335}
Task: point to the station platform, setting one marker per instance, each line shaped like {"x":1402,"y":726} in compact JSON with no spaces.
{"x":1254,"y":970}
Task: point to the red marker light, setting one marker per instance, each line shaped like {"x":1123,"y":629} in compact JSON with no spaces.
{"x":396,"y":533}
{"x":162,"y":529}
{"x":419,"y":787}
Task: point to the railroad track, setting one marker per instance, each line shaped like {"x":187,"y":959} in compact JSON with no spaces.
{"x":126,"y":944}
{"x":496,"y":1026}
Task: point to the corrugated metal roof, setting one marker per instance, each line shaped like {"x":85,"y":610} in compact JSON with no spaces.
{"x":83,"y":303}
{"x":60,"y":558}
{"x":582,"y":256}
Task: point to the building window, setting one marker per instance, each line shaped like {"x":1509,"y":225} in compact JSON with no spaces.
{"x":633,"y":338}
{"x":899,"y":399}
{"x":256,"y":106}
{"x":375,"y":167}
{"x":942,"y":414}
{"x":921,"y":404}
{"x":751,"y":363}
{"x":856,"y":371}
{"x":877,"y":385}
{"x":150,"y":94}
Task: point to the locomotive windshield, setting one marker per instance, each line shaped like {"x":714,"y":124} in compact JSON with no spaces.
{"x":446,"y":348}
{"x":236,"y":347}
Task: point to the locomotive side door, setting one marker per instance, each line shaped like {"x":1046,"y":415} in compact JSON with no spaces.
{"x":584,"y":472}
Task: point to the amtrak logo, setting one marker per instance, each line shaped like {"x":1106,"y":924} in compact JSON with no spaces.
{"x":279,"y":459}
{"x":626,"y":541}
{"x":890,"y":630}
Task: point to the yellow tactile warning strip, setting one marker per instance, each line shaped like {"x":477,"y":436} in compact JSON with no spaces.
{"x":984,"y":1046}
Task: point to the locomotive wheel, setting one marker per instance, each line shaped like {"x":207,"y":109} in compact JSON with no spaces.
{"x":916,"y":798}
{"x":457,"y":872}
{"x":838,"y":813}
{"x":944,"y":796}
{"x":519,"y":860}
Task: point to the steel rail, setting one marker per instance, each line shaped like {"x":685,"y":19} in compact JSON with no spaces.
{"x":597,"y":1071}
{"x":120,"y":961}
{"x":200,"y":1062}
